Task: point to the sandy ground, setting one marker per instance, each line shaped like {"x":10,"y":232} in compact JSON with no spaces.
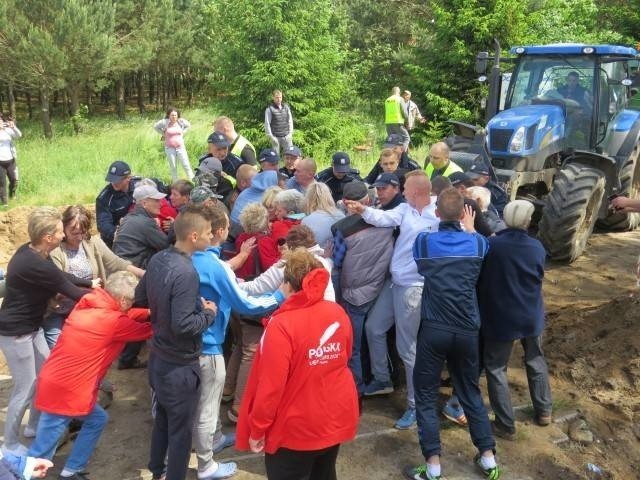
{"x":592,"y":344}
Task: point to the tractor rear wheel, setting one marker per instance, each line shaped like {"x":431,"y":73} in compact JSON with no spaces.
{"x":630,"y":187}
{"x":571,"y":211}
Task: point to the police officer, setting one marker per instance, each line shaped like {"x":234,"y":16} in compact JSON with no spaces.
{"x":340,"y":173}
{"x":407,"y":164}
{"x":439,"y":162}
{"x":239,"y":145}
{"x":480,"y":176}
{"x":218,"y":147}
{"x":114,"y":201}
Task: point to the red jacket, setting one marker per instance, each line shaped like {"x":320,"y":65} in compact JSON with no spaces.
{"x":267,"y":251}
{"x":280,"y":228}
{"x":300,"y":393}
{"x":93,"y":336}
{"x":167,"y":211}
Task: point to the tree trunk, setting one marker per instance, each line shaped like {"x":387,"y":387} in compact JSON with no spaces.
{"x":65,"y":105}
{"x":73,"y":91}
{"x":140,"y":85}
{"x":175,"y":87}
{"x":46,"y":115}
{"x":12,"y":101}
{"x":165,"y":94}
{"x":29,"y":107}
{"x":120,"y":104}
{"x":158,"y":88}
{"x":89,"y":99}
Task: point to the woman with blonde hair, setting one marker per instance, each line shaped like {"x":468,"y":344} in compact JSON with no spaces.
{"x":32,"y":280}
{"x":321,"y":212}
{"x":268,"y":200}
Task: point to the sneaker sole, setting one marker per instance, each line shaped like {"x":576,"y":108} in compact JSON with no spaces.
{"x":384,"y":391}
{"x":455,"y":420}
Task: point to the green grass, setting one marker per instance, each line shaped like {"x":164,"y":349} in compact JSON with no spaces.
{"x":71,"y":168}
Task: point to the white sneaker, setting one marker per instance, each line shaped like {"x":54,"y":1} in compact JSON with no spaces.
{"x":29,"y":432}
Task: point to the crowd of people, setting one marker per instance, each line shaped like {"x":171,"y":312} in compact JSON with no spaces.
{"x":284,"y":291}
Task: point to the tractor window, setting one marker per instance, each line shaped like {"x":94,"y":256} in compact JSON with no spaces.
{"x":613,"y":95}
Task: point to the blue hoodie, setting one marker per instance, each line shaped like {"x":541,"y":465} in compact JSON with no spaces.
{"x":218,"y":283}
{"x":260,"y":183}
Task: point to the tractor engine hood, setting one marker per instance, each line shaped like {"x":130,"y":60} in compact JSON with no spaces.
{"x":525,"y":130}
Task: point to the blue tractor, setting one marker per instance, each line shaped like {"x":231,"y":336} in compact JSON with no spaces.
{"x":561,"y":134}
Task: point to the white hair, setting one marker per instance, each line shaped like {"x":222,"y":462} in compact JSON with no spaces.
{"x":291,"y":200}
{"x":481,"y":195}
{"x":121,"y":285}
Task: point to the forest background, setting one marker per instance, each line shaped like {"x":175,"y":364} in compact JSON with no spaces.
{"x":84,"y":78}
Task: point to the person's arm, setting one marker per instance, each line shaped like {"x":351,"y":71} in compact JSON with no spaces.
{"x":468,"y":219}
{"x":104,"y":221}
{"x":275,"y":365}
{"x":625,"y":205}
{"x":290,"y":121}
{"x":238,"y":299}
{"x":419,"y":116}
{"x":249,"y":155}
{"x":160,"y":126}
{"x":187,"y":315}
{"x":141,"y":299}
{"x":267,"y":123}
{"x":47,"y":275}
{"x":128,"y":329}
{"x":15,"y":133}
{"x":380,"y":218}
{"x":155,"y":238}
{"x":269,"y":281}
{"x":339,"y":249}
{"x":268,"y":252}
{"x":112,"y":262}
{"x":184,"y":123}
{"x":244,"y":251}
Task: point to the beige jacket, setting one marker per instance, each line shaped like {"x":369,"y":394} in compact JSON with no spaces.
{"x":103,"y":261}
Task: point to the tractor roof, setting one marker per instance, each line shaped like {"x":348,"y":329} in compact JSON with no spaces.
{"x":573,"y":49}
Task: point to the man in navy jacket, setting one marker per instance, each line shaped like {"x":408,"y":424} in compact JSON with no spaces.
{"x":511,"y":308}
{"x":450,"y":261}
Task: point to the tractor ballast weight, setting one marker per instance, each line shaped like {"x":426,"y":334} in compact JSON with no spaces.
{"x":561,"y":135}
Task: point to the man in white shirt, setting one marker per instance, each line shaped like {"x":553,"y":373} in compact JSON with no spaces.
{"x":400,"y":298}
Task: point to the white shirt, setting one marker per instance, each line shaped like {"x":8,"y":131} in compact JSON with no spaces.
{"x":404,"y":271}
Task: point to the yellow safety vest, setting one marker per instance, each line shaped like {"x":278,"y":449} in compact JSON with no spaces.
{"x":241,"y":142}
{"x":451,"y":167}
{"x":393,"y":110}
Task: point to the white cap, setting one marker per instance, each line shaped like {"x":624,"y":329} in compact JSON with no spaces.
{"x":147,"y":191}
{"x":517,"y":214}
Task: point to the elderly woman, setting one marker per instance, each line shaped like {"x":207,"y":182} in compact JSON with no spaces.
{"x":32,"y":280}
{"x":248,"y":334}
{"x":268,"y":200}
{"x":301,"y":370}
{"x":321,"y":212}
{"x":67,"y":386}
{"x":84,"y":256}
{"x":255,"y":224}
{"x":288,"y":210}
{"x":172,"y":128}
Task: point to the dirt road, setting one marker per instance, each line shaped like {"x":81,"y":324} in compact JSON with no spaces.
{"x":593,"y":346}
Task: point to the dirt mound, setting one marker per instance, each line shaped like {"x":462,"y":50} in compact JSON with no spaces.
{"x":13,"y":231}
{"x":598,"y":350}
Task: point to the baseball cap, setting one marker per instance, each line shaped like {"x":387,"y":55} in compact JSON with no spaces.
{"x":210,"y":164}
{"x":341,"y":162}
{"x":218,"y":139}
{"x":118,"y":171}
{"x":387,"y":178}
{"x":355,"y":190}
{"x":293,"y":150}
{"x":393,"y":140}
{"x":477,"y":170}
{"x":269,"y":155}
{"x":457,"y":178}
{"x":147,"y":191}
{"x":201,"y":194}
{"x":206,"y":179}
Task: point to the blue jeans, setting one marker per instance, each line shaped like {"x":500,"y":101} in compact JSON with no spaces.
{"x":52,"y":327}
{"x":51,"y":427}
{"x":461,"y":353}
{"x":357,"y":315}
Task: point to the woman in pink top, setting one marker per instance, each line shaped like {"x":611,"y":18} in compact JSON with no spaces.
{"x":172,"y":128}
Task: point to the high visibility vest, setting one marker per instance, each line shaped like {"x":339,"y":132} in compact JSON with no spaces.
{"x":451,"y":167}
{"x":393,"y":110}
{"x":241,"y":142}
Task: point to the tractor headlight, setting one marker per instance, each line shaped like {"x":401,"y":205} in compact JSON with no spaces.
{"x":517,"y":142}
